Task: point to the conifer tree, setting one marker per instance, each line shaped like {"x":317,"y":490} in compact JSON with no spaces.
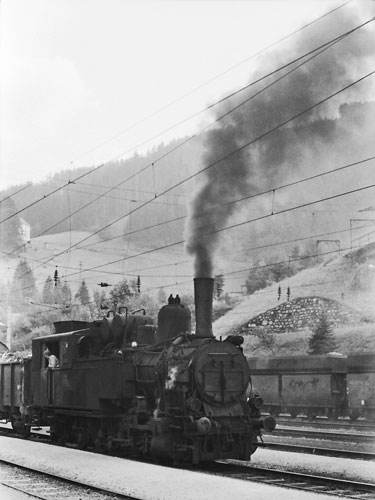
{"x":218,"y":286}
{"x":23,"y":286}
{"x":10,"y":237}
{"x":66,"y":293}
{"x":322,"y":340}
{"x":47,"y":293}
{"x":162,"y":296}
{"x":83,"y":295}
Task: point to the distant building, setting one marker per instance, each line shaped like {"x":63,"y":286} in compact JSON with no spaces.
{"x":25,"y":231}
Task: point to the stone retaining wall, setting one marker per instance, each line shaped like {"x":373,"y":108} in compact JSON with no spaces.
{"x":304,"y":312}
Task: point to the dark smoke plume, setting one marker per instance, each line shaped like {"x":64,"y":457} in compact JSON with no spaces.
{"x":276,"y":157}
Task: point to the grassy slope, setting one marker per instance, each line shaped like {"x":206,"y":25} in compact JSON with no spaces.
{"x":334,"y":280}
{"x":331,"y":279}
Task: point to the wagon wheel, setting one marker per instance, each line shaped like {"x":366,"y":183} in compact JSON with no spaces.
{"x":275,"y":411}
{"x":369,"y":414}
{"x":354,"y":414}
{"x":311,"y":414}
{"x":332,"y":413}
{"x":81,"y":439}
{"x":100,"y":442}
{"x":20,"y":426}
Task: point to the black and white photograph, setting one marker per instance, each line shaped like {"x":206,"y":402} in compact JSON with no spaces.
{"x":187,"y":249}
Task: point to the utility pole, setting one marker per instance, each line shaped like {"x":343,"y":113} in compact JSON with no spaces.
{"x":9,"y":327}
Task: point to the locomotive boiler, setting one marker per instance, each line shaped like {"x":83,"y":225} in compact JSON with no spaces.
{"x":165,"y":392}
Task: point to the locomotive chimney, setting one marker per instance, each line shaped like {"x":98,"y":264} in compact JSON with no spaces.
{"x":203,"y":293}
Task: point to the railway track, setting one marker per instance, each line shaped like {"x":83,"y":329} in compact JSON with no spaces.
{"x":319,"y":450}
{"x":272,"y":443}
{"x":295,"y":480}
{"x":328,"y":435}
{"x":45,"y":486}
{"x":356,"y":426}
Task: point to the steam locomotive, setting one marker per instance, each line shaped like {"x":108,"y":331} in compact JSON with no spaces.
{"x":124,"y":385}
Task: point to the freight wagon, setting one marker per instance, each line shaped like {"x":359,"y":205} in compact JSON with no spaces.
{"x":329,"y":385}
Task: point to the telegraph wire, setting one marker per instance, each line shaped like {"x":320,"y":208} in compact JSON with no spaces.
{"x":277,"y":188}
{"x":244,"y":270}
{"x":245,"y":250}
{"x":90,"y":193}
{"x":295,"y":240}
{"x":331,"y":42}
{"x":233,"y":226}
{"x":244,"y":146}
{"x":231,"y":68}
{"x":216,"y":162}
{"x":326,"y":45}
{"x":16,"y":192}
{"x":188,"y":282}
{"x":146,"y":203}
{"x":124,"y":189}
{"x":321,"y":174}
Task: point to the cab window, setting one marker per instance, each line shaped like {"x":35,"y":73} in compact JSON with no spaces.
{"x":50,"y":355}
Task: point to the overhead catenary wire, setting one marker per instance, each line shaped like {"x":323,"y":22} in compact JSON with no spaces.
{"x":231,"y":68}
{"x":188,"y":282}
{"x":248,"y":269}
{"x":235,"y":225}
{"x":152,"y":164}
{"x":179,"y":123}
{"x":28,"y":185}
{"x":245,"y":250}
{"x":216,"y":162}
{"x":238,"y":200}
{"x":107,"y":226}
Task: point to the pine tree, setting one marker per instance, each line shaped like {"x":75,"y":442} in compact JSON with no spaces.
{"x":47,"y":293}
{"x":10,"y":237}
{"x":218,"y":286}
{"x":257,"y":278}
{"x":83,"y":295}
{"x":162,"y":296}
{"x":322,"y":341}
{"x":23,"y":286}
{"x":66,"y":293}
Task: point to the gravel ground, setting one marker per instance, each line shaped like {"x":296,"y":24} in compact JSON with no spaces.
{"x":153,"y":482}
{"x":39,"y":484}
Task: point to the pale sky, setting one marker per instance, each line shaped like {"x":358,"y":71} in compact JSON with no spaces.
{"x":77,"y":73}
